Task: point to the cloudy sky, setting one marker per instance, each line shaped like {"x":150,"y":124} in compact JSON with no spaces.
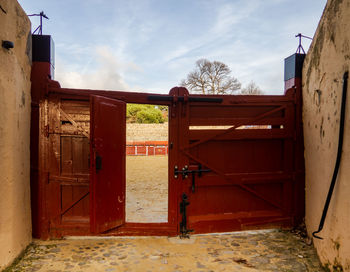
{"x":151,"y":45}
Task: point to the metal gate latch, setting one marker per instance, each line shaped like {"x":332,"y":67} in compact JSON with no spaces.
{"x":184,"y":232}
{"x":185,"y":172}
{"x":98,"y":162}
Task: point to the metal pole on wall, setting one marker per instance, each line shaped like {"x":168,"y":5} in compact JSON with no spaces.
{"x":40,"y":27}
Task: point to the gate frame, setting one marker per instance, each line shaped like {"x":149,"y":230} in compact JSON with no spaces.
{"x":43,"y":87}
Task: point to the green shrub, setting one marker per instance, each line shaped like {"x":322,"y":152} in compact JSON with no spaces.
{"x":145,"y":114}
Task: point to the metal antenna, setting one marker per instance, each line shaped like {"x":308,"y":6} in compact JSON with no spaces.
{"x":40,"y":27}
{"x":300,"y":47}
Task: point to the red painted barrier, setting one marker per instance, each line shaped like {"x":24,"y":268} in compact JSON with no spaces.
{"x":147,"y":148}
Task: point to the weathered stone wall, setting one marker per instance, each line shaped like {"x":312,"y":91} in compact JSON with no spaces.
{"x":327,"y":60}
{"x":146,"y":132}
{"x":15,"y":66}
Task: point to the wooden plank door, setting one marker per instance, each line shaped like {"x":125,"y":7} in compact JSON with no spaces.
{"x":107,"y":163}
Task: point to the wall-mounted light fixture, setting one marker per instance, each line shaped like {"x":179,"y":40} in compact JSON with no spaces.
{"x":7,"y":45}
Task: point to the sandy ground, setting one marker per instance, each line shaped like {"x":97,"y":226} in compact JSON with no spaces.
{"x":147,"y":189}
{"x":254,"y":251}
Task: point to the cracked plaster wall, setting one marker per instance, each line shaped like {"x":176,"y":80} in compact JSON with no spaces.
{"x":15,"y":104}
{"x":327,"y":60}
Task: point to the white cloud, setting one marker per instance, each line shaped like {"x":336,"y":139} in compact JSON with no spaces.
{"x":107,"y":75}
{"x":152,"y":45}
{"x":225,"y":21}
{"x":231,"y":14}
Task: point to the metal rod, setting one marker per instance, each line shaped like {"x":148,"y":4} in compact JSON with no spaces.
{"x":40,"y":27}
{"x":300,"y":47}
{"x":182,"y":98}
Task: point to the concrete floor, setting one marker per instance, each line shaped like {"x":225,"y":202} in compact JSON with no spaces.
{"x":267,"y":250}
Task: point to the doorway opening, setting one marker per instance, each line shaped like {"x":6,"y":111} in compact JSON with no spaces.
{"x":147,"y":161}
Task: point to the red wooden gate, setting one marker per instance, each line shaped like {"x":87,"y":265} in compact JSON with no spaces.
{"x":237,"y":162}
{"x":107,"y":163}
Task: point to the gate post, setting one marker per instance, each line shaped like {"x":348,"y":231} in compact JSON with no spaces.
{"x":42,"y":72}
{"x":293,"y":66}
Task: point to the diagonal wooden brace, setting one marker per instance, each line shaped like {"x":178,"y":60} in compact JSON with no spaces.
{"x":75,"y":124}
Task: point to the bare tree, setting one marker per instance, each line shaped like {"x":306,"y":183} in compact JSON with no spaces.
{"x":211,"y":78}
{"x":252,"y":89}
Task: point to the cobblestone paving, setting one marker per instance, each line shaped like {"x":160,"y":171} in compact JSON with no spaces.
{"x":269,"y":250}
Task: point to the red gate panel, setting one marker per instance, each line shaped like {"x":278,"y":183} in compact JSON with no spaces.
{"x":107,"y":187}
{"x":240,"y":159}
